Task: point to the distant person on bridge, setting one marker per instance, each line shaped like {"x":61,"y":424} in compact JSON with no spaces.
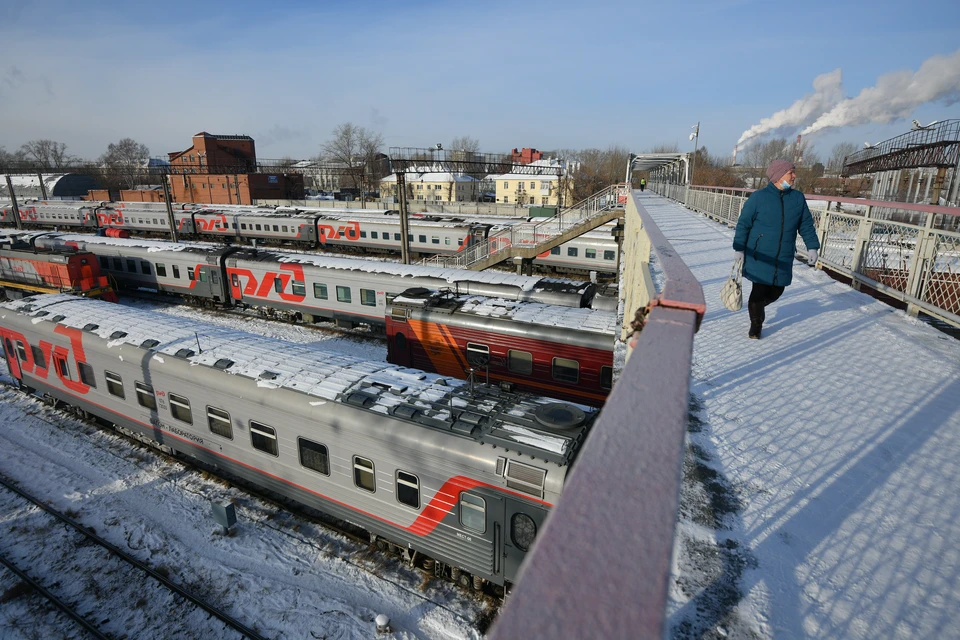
{"x":643,"y":184}
{"x":766,"y":239}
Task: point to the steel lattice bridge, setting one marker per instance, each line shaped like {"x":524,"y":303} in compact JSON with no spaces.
{"x":936,"y":145}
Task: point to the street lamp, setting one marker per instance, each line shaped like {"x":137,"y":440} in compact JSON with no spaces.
{"x":695,"y":136}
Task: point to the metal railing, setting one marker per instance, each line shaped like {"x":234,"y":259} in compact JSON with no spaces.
{"x":532,"y":234}
{"x":910,"y":252}
{"x":600,"y":567}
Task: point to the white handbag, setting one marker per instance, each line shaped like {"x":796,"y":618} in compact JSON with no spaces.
{"x":731,"y":294}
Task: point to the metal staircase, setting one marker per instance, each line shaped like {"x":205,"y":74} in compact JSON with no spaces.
{"x":530,"y":239}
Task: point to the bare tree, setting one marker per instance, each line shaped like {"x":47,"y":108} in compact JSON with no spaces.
{"x":465,"y":143}
{"x":665,"y":147}
{"x":49,"y":154}
{"x":356,"y":147}
{"x":126,"y":160}
{"x":837,"y":155}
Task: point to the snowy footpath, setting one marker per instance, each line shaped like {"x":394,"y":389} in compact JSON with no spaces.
{"x":822,"y":484}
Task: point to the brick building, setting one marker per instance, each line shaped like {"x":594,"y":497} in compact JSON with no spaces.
{"x":525,"y":156}
{"x":222,"y":170}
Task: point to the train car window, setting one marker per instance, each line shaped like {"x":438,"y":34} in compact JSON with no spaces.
{"x":409,"y":237}
{"x":343,"y":294}
{"x":180,"y":408}
{"x":408,"y":489}
{"x":368,"y":297}
{"x":313,"y":455}
{"x":401,"y":340}
{"x":161,"y":270}
{"x":478,"y":355}
{"x":520,"y":361}
{"x":132,"y":266}
{"x":145,"y":268}
{"x":104,"y":262}
{"x":435,"y":239}
{"x":38,"y":358}
{"x":608,"y":255}
{"x":590,"y":253}
{"x":219,"y":422}
{"x":190,"y":273}
{"x":572,"y":251}
{"x":284,"y":228}
{"x":446,"y":240}
{"x":374,"y":235}
{"x":258,"y":227}
{"x":114,"y":384}
{"x":264,"y":438}
{"x":363,"y":234}
{"x":363,"y":474}
{"x":606,"y":377}
{"x":243,"y":225}
{"x":22,"y":351}
{"x":278,"y":285}
{"x":473,"y":512}
{"x":566,"y":370}
{"x":396,"y":236}
{"x":555,"y":251}
{"x":319,"y":291}
{"x":276,"y":227}
{"x":86,"y":374}
{"x":423,"y":239}
{"x":299,"y":288}
{"x":155,"y":221}
{"x":233,"y":225}
{"x":145,"y":395}
{"x":176,"y":272}
{"x":118,"y":264}
{"x":62,"y":368}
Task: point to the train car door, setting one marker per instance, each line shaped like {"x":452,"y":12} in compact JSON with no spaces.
{"x":521,"y":523}
{"x":12,"y":363}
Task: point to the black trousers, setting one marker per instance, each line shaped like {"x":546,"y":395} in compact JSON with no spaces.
{"x":760,"y":296}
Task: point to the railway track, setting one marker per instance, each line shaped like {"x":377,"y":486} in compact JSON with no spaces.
{"x":89,"y":536}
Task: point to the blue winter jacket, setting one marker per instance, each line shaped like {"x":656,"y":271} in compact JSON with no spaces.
{"x":767,"y":234}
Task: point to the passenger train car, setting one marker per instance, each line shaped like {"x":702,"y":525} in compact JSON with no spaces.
{"x":556,"y":351}
{"x":24,"y":270}
{"x":365,"y":231}
{"x":462,"y":474}
{"x":297,"y":286}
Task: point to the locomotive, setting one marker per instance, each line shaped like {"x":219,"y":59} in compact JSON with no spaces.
{"x":556,"y":351}
{"x":461,"y":474}
{"x":24,"y":270}
{"x":366,"y":231}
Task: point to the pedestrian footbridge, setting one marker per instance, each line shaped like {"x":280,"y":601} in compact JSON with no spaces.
{"x":803,"y":485}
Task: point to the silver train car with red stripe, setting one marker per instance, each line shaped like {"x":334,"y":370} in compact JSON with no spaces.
{"x":460,"y":476}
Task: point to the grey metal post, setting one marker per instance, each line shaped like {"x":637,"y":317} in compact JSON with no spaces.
{"x":404,"y":239}
{"x":922,"y":253}
{"x":13,"y":200}
{"x":43,"y":188}
{"x":166,"y":198}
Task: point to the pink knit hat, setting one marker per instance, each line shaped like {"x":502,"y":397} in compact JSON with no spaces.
{"x":778,"y":168}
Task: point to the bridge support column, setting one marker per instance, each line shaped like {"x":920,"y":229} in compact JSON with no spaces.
{"x":524,"y":266}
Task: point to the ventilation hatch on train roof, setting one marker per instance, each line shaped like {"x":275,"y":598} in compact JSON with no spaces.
{"x":268,"y":375}
{"x":559,"y":415}
{"x":149,"y":343}
{"x":525,"y":478}
{"x":91,"y":327}
{"x":116,"y":335}
{"x":58,"y":317}
{"x":223,"y":364}
{"x":184,"y":353}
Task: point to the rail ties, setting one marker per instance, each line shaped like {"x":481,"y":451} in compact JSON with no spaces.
{"x":129,"y":559}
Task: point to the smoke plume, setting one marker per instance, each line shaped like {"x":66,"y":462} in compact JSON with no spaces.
{"x":897,"y":94}
{"x":828,"y":91}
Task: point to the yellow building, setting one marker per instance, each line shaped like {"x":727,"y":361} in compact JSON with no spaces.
{"x":433,"y":186}
{"x":515,"y":188}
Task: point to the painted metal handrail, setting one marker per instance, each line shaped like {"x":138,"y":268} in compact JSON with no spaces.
{"x":910,"y":252}
{"x":601,"y":566}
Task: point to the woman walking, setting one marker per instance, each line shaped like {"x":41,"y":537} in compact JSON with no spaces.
{"x":766,"y":239}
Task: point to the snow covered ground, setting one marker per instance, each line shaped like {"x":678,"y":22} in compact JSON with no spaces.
{"x":283,"y":576}
{"x":822,"y":484}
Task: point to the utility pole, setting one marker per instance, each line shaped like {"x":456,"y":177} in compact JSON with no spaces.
{"x":402,"y":191}
{"x":16,"y":209}
{"x":166,"y":198}
{"x":695,"y":136}
{"x":43,"y":187}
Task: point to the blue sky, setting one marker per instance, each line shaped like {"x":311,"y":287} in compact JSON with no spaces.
{"x":542,"y":74}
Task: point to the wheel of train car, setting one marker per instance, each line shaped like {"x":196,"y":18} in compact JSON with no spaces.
{"x":465,"y":580}
{"x":382,"y":545}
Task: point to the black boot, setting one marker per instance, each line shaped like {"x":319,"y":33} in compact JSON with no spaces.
{"x":755,"y":309}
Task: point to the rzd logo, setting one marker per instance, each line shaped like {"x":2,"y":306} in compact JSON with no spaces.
{"x":110,"y":218}
{"x":350,"y":231}
{"x":210,"y":224}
